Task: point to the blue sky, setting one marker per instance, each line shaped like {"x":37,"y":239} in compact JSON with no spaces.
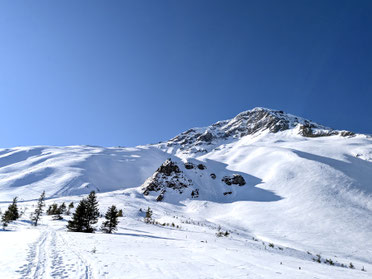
{"x":134,"y":72}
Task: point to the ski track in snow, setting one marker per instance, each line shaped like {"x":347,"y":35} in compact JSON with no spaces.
{"x":52,"y":257}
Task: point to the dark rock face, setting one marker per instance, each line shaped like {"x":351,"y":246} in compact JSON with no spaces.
{"x":167,"y":176}
{"x":189,"y":165}
{"x":201,"y":167}
{"x":307,"y":130}
{"x":213,"y":176}
{"x":227,"y":193}
{"x":195,"y":193}
{"x":236,"y":179}
{"x":202,"y":140}
{"x":347,"y":134}
{"x":161,"y":196}
{"x":168,"y":167}
{"x":207,"y":137}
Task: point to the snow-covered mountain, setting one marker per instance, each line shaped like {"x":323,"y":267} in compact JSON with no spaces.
{"x":248,"y":123}
{"x":264,"y":174}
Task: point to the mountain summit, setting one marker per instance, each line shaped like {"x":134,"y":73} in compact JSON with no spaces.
{"x":251,"y":122}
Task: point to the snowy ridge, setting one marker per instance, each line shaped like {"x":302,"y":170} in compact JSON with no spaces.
{"x":252,"y":122}
{"x":74,"y":170}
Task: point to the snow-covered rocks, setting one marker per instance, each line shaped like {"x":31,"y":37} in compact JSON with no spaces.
{"x":167,"y":176}
{"x":189,"y":180}
{"x":236,"y":179}
{"x":251,"y":122}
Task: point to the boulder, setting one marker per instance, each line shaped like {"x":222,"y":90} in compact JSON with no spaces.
{"x":236,"y":179}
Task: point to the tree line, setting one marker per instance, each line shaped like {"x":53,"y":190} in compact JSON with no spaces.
{"x":83,"y":220}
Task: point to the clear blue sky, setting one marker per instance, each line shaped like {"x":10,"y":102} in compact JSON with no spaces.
{"x":134,"y":72}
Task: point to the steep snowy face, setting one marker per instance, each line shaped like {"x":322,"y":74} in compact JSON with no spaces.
{"x":251,"y":122}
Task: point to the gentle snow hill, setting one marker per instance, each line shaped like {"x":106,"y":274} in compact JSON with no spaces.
{"x":307,"y":187}
{"x":73,"y":170}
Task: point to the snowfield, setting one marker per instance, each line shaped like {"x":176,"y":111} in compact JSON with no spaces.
{"x":304,"y":195}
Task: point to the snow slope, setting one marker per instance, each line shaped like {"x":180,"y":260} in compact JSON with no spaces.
{"x":308,"y":190}
{"x":73,"y":170}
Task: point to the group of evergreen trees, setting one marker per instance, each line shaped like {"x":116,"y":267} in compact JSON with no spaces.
{"x":87,"y":213}
{"x":57,"y":211}
{"x":85,"y":216}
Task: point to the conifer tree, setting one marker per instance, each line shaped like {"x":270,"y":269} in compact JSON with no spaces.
{"x":86,"y":215}
{"x":5,"y":219}
{"x":78,"y":222}
{"x":53,"y":209}
{"x":35,"y":217}
{"x":13,"y":210}
{"x":92,"y":212}
{"x":62,"y":208}
{"x":111,"y":222}
{"x":120,"y":213}
{"x":70,"y":206}
{"x":57,"y":214}
{"x":11,"y":214}
{"x":148,"y":216}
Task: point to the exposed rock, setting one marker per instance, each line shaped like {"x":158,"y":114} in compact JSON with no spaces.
{"x":161,"y":196}
{"x":207,"y":137}
{"x":346,"y":134}
{"x":201,"y":167}
{"x":213,"y":176}
{"x":227,"y":193}
{"x":167,"y":176}
{"x":168,"y":167}
{"x":189,"y":165}
{"x":236,"y":179}
{"x":203,"y":140}
{"x":195,"y":193}
{"x":306,"y":130}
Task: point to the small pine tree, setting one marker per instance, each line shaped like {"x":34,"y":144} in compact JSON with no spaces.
{"x":57,"y":214}
{"x":111,"y":220}
{"x":78,"y":221}
{"x":49,"y":210}
{"x":11,"y":214}
{"x":86,"y":215}
{"x":120,"y":213}
{"x":13,"y":210}
{"x":62,"y":208}
{"x":92,"y":212}
{"x":148,"y":216}
{"x":70,"y":206}
{"x":35,"y":217}
{"x":5,"y":219}
{"x":53,"y":209}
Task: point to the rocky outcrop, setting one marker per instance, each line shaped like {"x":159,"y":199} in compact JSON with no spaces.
{"x":168,"y":167}
{"x":195,"y":193}
{"x":236,"y":179}
{"x":189,"y":165}
{"x":201,"y":167}
{"x":312,"y":131}
{"x":167,"y":176}
{"x":257,"y":120}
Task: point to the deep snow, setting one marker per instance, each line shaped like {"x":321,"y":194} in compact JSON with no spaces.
{"x":306,"y":195}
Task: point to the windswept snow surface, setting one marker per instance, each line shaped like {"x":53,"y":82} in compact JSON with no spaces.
{"x":62,"y":171}
{"x":305,"y":195}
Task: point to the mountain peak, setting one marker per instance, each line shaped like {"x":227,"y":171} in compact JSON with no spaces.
{"x":250,"y":122}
